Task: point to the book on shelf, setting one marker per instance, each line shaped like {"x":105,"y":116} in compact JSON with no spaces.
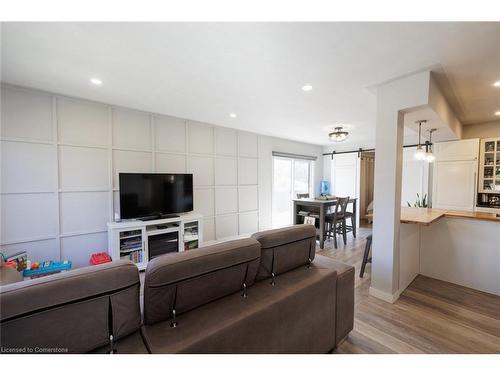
{"x":134,"y":256}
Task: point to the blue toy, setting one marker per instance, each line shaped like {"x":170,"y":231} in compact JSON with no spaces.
{"x":48,"y":267}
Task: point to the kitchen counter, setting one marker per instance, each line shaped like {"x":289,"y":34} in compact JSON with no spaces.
{"x":459,"y":247}
{"x":427,"y":216}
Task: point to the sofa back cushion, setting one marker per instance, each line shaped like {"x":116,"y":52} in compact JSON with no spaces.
{"x":285,"y":249}
{"x":74,"y":311}
{"x":186,"y":280}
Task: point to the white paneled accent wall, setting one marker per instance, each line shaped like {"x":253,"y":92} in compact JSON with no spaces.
{"x":60,"y":159}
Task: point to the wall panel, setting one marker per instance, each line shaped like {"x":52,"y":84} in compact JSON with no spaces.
{"x":170,"y":134}
{"x":170,"y":163}
{"x":248,"y":198}
{"x":200,"y":138}
{"x":226,"y":171}
{"x":204,"y":201}
{"x":248,"y":223}
{"x":83,"y":123}
{"x":226,"y":200}
{"x":226,"y":226}
{"x":131,"y":129}
{"x":202,"y":169}
{"x":248,"y":171}
{"x":85,"y":211}
{"x":27,"y":167}
{"x":79,"y":248}
{"x":83,"y":168}
{"x":26,"y":115}
{"x":226,"y":141}
{"x":28,"y":216}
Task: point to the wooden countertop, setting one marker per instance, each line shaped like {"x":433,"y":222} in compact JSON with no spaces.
{"x":415,"y":215}
{"x":489,"y":216}
{"x":427,"y":216}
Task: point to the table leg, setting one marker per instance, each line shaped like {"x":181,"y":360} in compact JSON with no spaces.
{"x":354,"y":217}
{"x":322,"y":226}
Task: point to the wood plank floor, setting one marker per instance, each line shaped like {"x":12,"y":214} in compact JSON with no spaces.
{"x":431,"y":316}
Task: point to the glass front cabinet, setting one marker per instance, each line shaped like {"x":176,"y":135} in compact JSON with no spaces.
{"x":489,"y":172}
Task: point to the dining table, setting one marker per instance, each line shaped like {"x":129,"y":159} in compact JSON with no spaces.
{"x":319,"y":206}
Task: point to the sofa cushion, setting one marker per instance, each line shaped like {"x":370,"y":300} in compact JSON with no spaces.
{"x":345,"y":294}
{"x":186,"y":280}
{"x":295,"y":316}
{"x":285,"y":249}
{"x":74,"y":311}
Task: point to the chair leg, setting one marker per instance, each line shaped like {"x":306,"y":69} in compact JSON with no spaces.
{"x":334,"y":232}
{"x":344,"y":231}
{"x":365,"y":256}
{"x":353,"y":225}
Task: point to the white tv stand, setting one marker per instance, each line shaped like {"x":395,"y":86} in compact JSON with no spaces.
{"x":130,"y":239}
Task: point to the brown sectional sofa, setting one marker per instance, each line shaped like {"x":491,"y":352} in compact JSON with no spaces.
{"x":266,"y":294}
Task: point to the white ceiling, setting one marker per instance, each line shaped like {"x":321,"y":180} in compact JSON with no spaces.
{"x":204,"y":71}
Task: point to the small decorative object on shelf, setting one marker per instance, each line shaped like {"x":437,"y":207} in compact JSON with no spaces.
{"x":422,"y":203}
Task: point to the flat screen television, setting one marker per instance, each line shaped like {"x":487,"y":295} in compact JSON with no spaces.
{"x":147,"y":195}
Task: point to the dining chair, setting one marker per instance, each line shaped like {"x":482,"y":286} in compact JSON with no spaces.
{"x":336,"y":221}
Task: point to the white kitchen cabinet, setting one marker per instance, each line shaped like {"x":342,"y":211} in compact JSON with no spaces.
{"x":489,"y":170}
{"x":455,"y":175}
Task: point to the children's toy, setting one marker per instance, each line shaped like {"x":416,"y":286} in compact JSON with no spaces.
{"x":99,"y":258}
{"x":46,"y":268}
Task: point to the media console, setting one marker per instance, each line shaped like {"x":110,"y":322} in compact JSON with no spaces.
{"x":141,"y":241}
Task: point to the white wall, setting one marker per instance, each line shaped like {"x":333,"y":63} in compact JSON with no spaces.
{"x":60,"y":159}
{"x":482,"y":130}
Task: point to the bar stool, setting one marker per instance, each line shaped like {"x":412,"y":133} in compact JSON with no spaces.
{"x":336,"y":221}
{"x":366,"y":257}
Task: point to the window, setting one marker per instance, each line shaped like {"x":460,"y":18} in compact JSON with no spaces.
{"x":290,"y":177}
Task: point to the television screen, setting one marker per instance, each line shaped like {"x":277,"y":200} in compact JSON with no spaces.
{"x":151,"y":194}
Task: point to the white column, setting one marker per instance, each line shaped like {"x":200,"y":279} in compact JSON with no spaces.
{"x":393,"y":100}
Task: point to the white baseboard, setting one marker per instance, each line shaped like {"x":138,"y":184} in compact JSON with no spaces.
{"x":387,"y":297}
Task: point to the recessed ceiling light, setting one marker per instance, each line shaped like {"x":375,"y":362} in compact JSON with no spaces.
{"x":307,"y":88}
{"x":497,"y":84}
{"x":497,"y":113}
{"x":233,"y":115}
{"x":96,"y":81}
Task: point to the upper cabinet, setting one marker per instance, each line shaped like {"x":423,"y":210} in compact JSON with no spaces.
{"x":466,"y":149}
{"x":455,"y":175}
{"x":489,"y":167}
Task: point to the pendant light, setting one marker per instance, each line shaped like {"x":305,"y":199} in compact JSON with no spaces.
{"x":429,"y":155}
{"x":419,"y":152}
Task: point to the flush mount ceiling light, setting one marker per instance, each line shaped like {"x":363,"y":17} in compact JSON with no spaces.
{"x":338,"y":135}
{"x":497,"y":113}
{"x":497,"y":84}
{"x":233,"y":115}
{"x":420,"y":153}
{"x":307,"y":88}
{"x":96,"y":81}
